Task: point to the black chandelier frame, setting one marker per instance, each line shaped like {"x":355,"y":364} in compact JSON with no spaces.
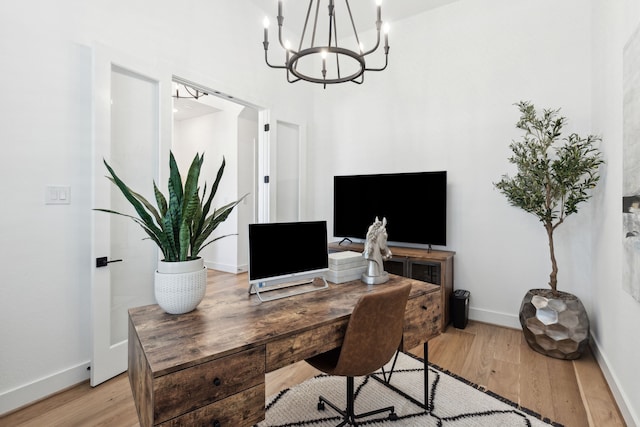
{"x":294,"y":56}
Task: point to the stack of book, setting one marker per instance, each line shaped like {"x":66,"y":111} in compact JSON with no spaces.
{"x":346,"y":266}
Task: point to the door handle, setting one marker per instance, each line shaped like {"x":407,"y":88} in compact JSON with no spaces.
{"x":102,"y":261}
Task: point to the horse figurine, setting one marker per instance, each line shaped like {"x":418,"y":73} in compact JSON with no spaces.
{"x":375,"y":252}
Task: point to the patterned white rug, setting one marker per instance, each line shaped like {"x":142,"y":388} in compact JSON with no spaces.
{"x":453,"y":401}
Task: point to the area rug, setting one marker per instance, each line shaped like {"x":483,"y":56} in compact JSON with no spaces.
{"x":452,"y":402}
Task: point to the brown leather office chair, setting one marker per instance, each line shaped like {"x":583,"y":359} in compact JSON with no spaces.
{"x":372,"y":337}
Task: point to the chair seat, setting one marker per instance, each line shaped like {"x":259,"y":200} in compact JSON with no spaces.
{"x":326,"y":362}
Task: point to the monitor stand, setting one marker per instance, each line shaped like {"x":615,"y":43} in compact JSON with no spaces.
{"x":287,"y":289}
{"x":346,"y":239}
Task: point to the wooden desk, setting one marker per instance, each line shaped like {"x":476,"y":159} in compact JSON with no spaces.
{"x":209,"y":366}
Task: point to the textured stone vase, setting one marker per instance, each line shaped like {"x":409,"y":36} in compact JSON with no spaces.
{"x":556,"y":326}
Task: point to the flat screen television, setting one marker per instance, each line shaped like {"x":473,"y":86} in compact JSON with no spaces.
{"x":414,"y":203}
{"x":282,"y":252}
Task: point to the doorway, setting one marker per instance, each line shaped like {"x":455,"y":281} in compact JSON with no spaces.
{"x":207,"y":122}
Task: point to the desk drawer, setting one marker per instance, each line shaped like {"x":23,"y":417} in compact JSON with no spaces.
{"x":303,"y":345}
{"x":241,"y":409}
{"x":422,"y":320}
{"x":197,"y":386}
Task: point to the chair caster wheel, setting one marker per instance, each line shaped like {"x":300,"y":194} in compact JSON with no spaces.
{"x":393,"y":416}
{"x":320,"y":406}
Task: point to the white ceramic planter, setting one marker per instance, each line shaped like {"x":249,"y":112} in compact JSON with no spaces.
{"x":180,"y":286}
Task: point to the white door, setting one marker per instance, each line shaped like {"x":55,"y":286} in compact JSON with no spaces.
{"x":286,"y":154}
{"x":131,"y":115}
{"x":288,"y":172}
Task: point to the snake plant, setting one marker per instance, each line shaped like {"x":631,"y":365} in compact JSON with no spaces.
{"x":181,"y":223}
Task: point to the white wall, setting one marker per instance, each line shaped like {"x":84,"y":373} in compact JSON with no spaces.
{"x":616,"y":315}
{"x":46,"y":136}
{"x":446,"y":102}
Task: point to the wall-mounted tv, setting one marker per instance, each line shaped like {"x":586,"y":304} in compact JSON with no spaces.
{"x":414,"y":203}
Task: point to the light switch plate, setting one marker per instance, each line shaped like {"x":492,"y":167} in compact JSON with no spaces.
{"x":57,"y":195}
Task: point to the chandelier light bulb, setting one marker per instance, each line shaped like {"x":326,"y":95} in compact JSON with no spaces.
{"x":378,"y":2}
{"x":287,"y":44}
{"x":266,"y":33}
{"x":323,"y":54}
{"x":385,"y":28}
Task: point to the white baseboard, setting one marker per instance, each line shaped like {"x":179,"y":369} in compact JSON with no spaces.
{"x":494,"y":318}
{"x":16,"y":398}
{"x":221,"y":267}
{"x":626,"y":408}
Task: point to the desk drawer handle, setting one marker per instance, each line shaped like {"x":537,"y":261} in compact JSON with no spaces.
{"x":217,"y":382}
{"x":216,"y":423}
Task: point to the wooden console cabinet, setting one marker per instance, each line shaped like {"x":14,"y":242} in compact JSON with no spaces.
{"x":433,"y":266}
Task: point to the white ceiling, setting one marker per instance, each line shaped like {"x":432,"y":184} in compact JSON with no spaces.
{"x":294,"y":11}
{"x":185,"y":108}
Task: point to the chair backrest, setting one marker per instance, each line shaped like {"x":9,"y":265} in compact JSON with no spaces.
{"x":374,"y":331}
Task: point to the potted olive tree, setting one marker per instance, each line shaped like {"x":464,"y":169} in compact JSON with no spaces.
{"x":554,"y":176}
{"x":180,"y":225}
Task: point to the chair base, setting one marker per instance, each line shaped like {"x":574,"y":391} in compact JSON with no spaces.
{"x":349,"y":416}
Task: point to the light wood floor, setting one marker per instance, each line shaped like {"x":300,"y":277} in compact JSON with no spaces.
{"x":573,"y":393}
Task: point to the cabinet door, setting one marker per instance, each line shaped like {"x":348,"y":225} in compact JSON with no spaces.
{"x":426,"y":271}
{"x":396,"y":265}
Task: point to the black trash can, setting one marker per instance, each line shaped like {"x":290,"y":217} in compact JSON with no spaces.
{"x":460,"y":308}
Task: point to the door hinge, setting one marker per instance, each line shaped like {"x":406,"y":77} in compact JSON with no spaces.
{"x":266,"y":179}
{"x":266,"y":127}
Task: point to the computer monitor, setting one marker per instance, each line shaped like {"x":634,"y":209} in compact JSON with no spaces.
{"x":287,"y":253}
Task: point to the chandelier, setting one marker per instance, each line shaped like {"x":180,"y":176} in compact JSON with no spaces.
{"x":324,"y":61}
{"x":190,"y":92}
